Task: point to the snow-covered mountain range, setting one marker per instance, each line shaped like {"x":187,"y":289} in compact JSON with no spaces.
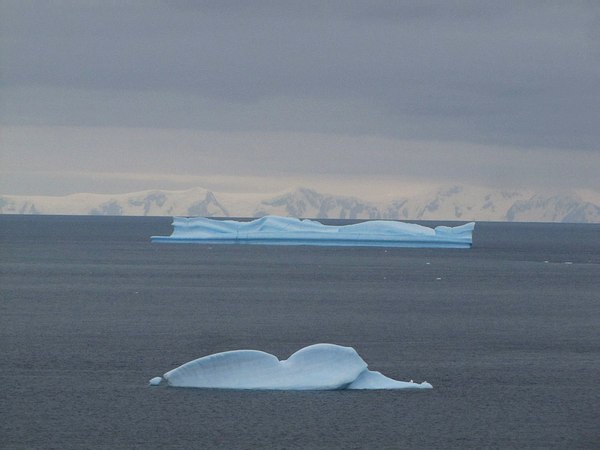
{"x":449,"y":203}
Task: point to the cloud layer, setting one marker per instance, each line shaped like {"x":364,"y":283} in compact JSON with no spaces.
{"x":428,"y":90}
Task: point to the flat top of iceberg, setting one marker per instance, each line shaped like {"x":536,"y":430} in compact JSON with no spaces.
{"x":275,"y":230}
{"x":316,"y":367}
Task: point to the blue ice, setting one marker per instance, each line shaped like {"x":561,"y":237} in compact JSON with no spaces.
{"x":275,"y":230}
{"x":316,"y":367}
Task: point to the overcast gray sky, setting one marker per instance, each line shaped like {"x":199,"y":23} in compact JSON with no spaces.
{"x":111,"y":96}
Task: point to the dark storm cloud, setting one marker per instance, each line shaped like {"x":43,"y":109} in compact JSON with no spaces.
{"x":524,"y":74}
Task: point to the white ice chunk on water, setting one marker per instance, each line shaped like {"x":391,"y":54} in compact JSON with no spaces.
{"x":275,"y":230}
{"x":316,"y":367}
{"x":155,"y":381}
{"x":376,"y":380}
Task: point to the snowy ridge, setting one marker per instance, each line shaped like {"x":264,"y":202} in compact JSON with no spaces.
{"x":316,"y":367}
{"x":464,"y":203}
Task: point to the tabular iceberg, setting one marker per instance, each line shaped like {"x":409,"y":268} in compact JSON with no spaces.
{"x":316,"y":367}
{"x":275,"y":230}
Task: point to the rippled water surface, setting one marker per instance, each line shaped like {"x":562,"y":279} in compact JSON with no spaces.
{"x":507,"y":332}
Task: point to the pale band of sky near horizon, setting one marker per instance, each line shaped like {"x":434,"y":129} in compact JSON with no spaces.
{"x":348,"y":96}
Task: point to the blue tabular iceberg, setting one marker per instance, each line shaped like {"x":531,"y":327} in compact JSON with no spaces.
{"x":316,"y":367}
{"x":276,"y":230}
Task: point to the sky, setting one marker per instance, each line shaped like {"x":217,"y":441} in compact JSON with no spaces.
{"x":370,"y":98}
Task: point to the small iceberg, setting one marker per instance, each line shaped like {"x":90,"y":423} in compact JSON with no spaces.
{"x":316,"y":367}
{"x":275,"y":230}
{"x":155,"y":381}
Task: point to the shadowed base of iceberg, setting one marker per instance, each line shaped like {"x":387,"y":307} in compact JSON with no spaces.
{"x":316,"y":367}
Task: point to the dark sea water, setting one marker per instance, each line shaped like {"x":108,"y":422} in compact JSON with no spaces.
{"x":90,"y":310}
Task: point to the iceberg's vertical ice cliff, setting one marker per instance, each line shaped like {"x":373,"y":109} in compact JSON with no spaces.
{"x":276,"y":230}
{"x":316,"y":367}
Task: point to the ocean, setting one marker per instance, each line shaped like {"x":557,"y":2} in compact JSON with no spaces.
{"x":508,"y":334}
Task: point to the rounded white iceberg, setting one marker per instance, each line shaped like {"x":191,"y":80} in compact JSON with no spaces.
{"x":316,"y":367}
